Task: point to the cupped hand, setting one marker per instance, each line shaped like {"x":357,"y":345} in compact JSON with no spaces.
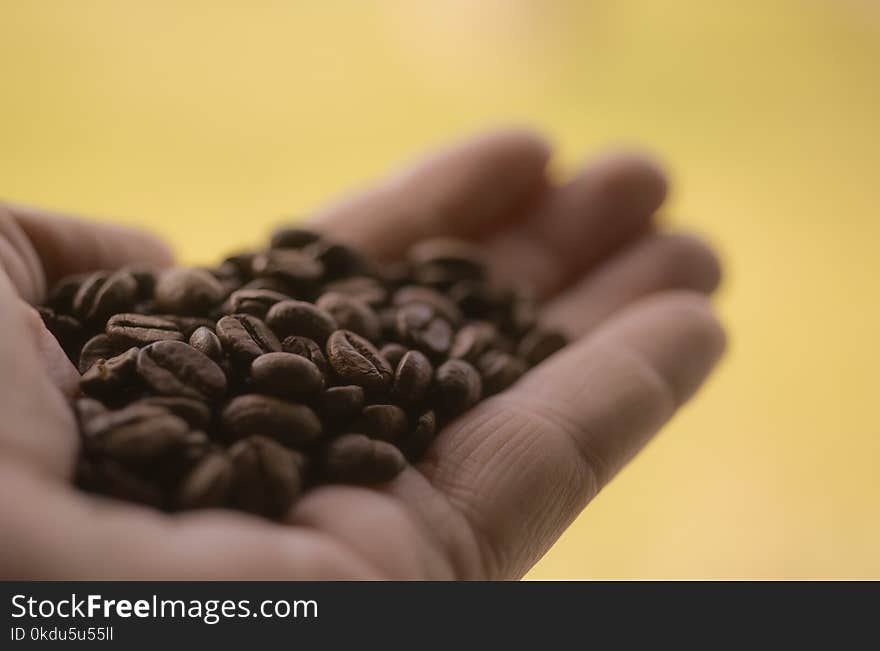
{"x":498,"y":486}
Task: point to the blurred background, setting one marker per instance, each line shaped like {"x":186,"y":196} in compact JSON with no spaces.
{"x":207,"y":121}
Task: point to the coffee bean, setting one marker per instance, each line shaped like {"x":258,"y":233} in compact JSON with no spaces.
{"x":98,"y":347}
{"x":175,"y":465}
{"x":187,"y":291}
{"x":110,"y":379}
{"x":268,"y":476}
{"x":292,"y":424}
{"x":245,"y":337}
{"x":86,"y":409}
{"x":339,"y":405}
{"x":272,"y":285}
{"x":499,"y":371}
{"x":253,"y":301}
{"x":522,"y":314}
{"x":366,"y":289}
{"x":173,"y":368}
{"x":207,"y":485}
{"x":62,"y":293}
{"x":418,"y":325}
{"x":302,"y":319}
{"x":206,"y":342}
{"x":445,"y":260}
{"x":140,"y":330}
{"x":145,"y":277}
{"x":412,"y":378}
{"x":188,"y":324}
{"x":539,"y":344}
{"x":108,"y":477}
{"x":103,"y":294}
{"x":137,"y":434}
{"x":442,"y":305}
{"x":358,"y":459}
{"x":356,"y":361}
{"x":422,"y":436}
{"x":67,"y":330}
{"x":243,"y":262}
{"x":351,"y":314}
{"x":338,"y":260}
{"x":195,"y":412}
{"x":290,"y":265}
{"x":393,"y":353}
{"x":457,"y":387}
{"x":385,"y":422}
{"x":286,"y":375}
{"x":305,"y":347}
{"x":480,"y":300}
{"x":289,"y":237}
{"x":473,"y":340}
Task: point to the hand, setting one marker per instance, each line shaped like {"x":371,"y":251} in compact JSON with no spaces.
{"x":498,"y":486}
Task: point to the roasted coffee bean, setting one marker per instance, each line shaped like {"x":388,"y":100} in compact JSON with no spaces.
{"x":176,"y":464}
{"x":272,"y":285}
{"x":386,"y":422}
{"x":137,"y":434}
{"x":388,"y":322}
{"x":253,"y":301}
{"x":302,"y":319}
{"x":393,"y":353}
{"x":195,"y":412}
{"x":98,"y":347}
{"x":140,"y":330}
{"x":292,"y":238}
{"x":243,"y":263}
{"x":457,"y":387}
{"x":418,"y":325}
{"x":106,"y":476}
{"x":339,"y":405}
{"x":539,"y":344}
{"x":245,"y":337}
{"x":412,"y":378}
{"x":444,"y":260}
{"x":480,"y":300}
{"x":187,"y":291}
{"x":415,"y":446}
{"x":103,"y":294}
{"x":86,"y":409}
{"x":351,"y":314}
{"x":292,"y":424}
{"x":268,"y":476}
{"x":396,"y":274}
{"x":358,"y":459}
{"x":287,"y":376}
{"x":305,"y":347}
{"x":522,"y":314}
{"x":499,"y":371}
{"x":173,"y":368}
{"x":145,"y":277}
{"x":290,"y":265}
{"x":369,"y":290}
{"x":338,"y":260}
{"x":356,"y":361}
{"x":442,"y":305}
{"x":188,"y":324}
{"x":207,"y":485}
{"x":62,"y":293}
{"x":473,"y":340}
{"x":67,"y":330}
{"x":206,"y":342}
{"x":112,"y":378}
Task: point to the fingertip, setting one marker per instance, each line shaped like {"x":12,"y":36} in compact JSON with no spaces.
{"x":690,"y":262}
{"x":635,"y":177}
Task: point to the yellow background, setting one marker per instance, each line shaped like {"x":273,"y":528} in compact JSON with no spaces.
{"x":208,"y":120}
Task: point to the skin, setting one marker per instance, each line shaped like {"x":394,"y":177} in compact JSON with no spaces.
{"x":499,"y":485}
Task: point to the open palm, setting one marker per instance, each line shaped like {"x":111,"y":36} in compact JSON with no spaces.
{"x":498,"y":486}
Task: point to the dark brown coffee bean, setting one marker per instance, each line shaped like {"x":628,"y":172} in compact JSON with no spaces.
{"x":479,"y":299}
{"x":388,"y":322}
{"x":140,"y":330}
{"x":187,"y":291}
{"x":442,"y":305}
{"x":393,"y":353}
{"x":243,"y":263}
{"x":287,"y":376}
{"x":369,"y":290}
{"x":98,"y":347}
{"x":499,"y":371}
{"x":339,"y":405}
{"x":412,"y":378}
{"x":173,"y":368}
{"x":338,"y":260}
{"x":62,"y":293}
{"x":351,"y":314}
{"x":145,"y":277}
{"x":539,"y":344}
{"x":396,"y":274}
{"x":253,"y":301}
{"x":302,"y":319}
{"x":307,"y":348}
{"x":137,"y":434}
{"x":358,"y":459}
{"x":291,"y":237}
{"x":268,"y":476}
{"x":206,"y":342}
{"x":86,"y":409}
{"x":447,"y":260}
{"x":188,"y":324}
{"x":385,"y":422}
{"x":356,"y":361}
{"x":292,"y":424}
{"x":104,"y":293}
{"x":473,"y":340}
{"x":176,"y":464}
{"x":111,"y":378}
{"x":207,"y":485}
{"x":422,"y":436}
{"x":195,"y":412}
{"x":522,"y":314}
{"x":272,"y":285}
{"x":290,"y":265}
{"x":457,"y":387}
{"x":66,"y":330}
{"x":107,"y":477}
{"x":418,"y":326}
{"x":245,"y":337}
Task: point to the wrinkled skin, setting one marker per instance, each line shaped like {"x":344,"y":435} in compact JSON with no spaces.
{"x":499,"y":485}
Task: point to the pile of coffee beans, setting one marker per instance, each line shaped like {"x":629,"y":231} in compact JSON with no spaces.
{"x":245,"y":384}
